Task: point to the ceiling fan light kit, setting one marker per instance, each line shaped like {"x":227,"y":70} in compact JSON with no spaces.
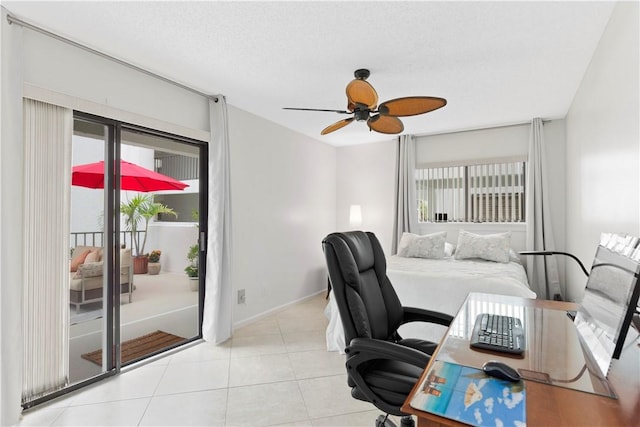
{"x":362,"y":102}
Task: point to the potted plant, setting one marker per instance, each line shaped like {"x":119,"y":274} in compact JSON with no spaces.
{"x":154,"y":262}
{"x":192,"y":268}
{"x":139,"y":210}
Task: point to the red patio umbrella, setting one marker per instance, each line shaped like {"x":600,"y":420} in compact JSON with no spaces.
{"x":133,"y":177}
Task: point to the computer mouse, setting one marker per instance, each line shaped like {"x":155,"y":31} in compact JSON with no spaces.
{"x":500,"y":370}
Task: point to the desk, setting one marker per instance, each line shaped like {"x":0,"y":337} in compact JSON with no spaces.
{"x":547,"y":405}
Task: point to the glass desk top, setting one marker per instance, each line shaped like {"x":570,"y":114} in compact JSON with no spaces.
{"x":554,"y":352}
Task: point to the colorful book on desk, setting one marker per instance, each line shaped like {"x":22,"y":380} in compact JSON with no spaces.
{"x":470,"y":396}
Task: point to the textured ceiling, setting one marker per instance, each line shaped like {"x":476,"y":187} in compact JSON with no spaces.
{"x":495,"y":62}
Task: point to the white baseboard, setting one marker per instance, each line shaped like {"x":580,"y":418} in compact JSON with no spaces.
{"x":274,"y":310}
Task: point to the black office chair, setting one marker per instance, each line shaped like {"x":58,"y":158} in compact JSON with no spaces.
{"x":382,"y":367}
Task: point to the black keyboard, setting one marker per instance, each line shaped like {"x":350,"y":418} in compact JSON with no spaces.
{"x":498,"y":333}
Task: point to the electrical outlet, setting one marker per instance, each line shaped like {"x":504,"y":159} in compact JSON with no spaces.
{"x":241,"y":296}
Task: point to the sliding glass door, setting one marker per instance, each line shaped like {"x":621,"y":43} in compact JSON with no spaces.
{"x":160,"y":224}
{"x":137,"y":213}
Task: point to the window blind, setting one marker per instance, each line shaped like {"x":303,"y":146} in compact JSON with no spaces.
{"x":47,"y":178}
{"x":482,"y":192}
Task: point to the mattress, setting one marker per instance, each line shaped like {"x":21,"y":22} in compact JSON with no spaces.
{"x":439,"y":285}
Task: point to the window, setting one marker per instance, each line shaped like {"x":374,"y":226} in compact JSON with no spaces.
{"x":475,"y":192}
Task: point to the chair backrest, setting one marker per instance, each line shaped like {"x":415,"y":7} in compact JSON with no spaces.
{"x":368,"y":304}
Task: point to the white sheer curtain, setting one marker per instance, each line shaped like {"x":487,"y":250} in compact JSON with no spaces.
{"x":216,"y":325}
{"x":47,"y":180}
{"x":542,"y":271}
{"x":405,"y":215}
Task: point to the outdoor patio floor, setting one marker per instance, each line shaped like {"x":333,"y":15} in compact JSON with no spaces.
{"x":159,"y":302}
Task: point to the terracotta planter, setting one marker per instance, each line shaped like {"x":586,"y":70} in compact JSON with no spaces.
{"x":140,"y":263}
{"x":154,"y":268}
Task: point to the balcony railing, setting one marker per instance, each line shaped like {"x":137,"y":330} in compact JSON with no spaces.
{"x":96,"y":238}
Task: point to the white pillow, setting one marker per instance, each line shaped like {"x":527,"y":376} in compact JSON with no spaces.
{"x":514,"y":257}
{"x":449,"y":249}
{"x":427,"y":246}
{"x":93,"y":256}
{"x":492,"y":247}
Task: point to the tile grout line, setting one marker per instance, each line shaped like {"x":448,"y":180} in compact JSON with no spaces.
{"x":58,"y":416}
{"x":295,"y":375}
{"x":153,"y":394}
{"x":226,"y":405}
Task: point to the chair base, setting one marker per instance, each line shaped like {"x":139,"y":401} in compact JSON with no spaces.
{"x":385,"y":421}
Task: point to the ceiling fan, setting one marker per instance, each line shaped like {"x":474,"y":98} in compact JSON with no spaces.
{"x":362,"y":102}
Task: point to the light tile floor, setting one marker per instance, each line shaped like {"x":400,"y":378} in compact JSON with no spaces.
{"x":275,"y":371}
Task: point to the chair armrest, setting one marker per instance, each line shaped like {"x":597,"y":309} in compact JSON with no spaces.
{"x":413,"y":314}
{"x":370,"y":349}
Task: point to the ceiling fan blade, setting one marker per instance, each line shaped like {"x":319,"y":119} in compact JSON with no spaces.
{"x":361,"y":92}
{"x":411,"y":106}
{"x":351,"y":106}
{"x":336,"y":126}
{"x":317,"y":109}
{"x":385,"y":124}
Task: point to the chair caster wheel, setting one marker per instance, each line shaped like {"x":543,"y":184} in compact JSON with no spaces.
{"x":407,"y":421}
{"x":384,"y":421}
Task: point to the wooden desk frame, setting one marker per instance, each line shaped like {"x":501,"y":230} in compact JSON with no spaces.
{"x":549,"y":405}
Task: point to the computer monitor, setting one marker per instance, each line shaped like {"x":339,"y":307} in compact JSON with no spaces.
{"x":611,"y":298}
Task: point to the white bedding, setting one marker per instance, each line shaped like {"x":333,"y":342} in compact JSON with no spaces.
{"x":439,"y":285}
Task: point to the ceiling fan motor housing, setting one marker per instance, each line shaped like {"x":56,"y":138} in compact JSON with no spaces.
{"x":362,"y":74}
{"x":361,"y":112}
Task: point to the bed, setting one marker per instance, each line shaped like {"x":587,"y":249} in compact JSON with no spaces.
{"x":439,"y":284}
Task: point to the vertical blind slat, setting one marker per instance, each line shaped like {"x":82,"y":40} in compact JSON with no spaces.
{"x":513,"y":193}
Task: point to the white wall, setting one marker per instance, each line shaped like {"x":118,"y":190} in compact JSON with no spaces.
{"x":173,"y":239}
{"x":60,"y":67}
{"x":603,"y":141}
{"x":490,"y":143}
{"x":283,"y":203}
{"x":366,"y":177}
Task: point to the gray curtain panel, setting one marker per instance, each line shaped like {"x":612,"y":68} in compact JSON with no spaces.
{"x":542,"y":271}
{"x":405,"y":214}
